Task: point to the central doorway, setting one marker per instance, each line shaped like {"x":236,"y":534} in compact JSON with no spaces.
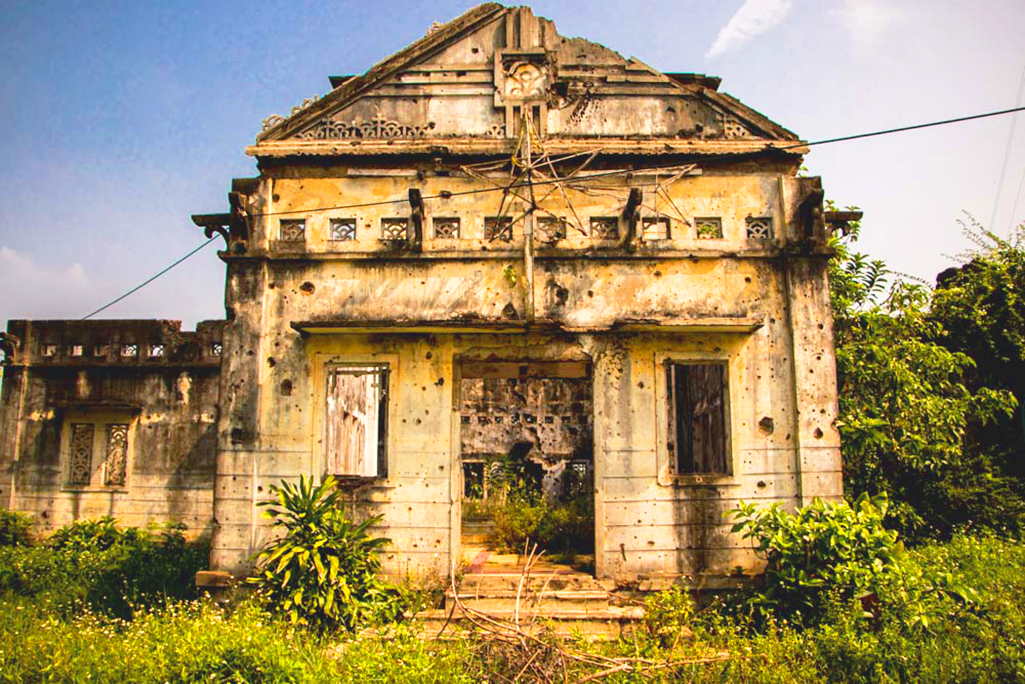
{"x":527,"y":461}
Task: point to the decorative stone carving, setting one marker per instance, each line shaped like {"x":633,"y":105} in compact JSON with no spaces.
{"x":81,"y":454}
{"x":446,"y":228}
{"x":498,"y":228}
{"x":275,"y":119}
{"x":734,"y":129}
{"x":605,"y":227}
{"x":759,"y":228}
{"x":117,"y":454}
{"x":378,"y":127}
{"x":394,"y":228}
{"x":525,"y":81}
{"x":550,"y":229}
{"x":495,"y":131}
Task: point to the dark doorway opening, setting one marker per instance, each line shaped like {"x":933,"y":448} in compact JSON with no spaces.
{"x":527,"y":456}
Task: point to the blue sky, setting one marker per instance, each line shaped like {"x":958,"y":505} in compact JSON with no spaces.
{"x":120,"y":119}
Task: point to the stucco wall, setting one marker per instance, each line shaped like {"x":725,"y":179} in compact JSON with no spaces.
{"x":169,"y":403}
{"x":761,"y":306}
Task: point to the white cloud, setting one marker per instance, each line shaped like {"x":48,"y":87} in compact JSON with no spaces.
{"x":754,"y":18}
{"x":31,"y":290}
{"x":868,"y":21}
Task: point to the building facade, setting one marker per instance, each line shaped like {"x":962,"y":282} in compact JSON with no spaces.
{"x":497,"y":243}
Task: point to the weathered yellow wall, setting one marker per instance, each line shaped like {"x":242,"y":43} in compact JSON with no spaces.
{"x":766,"y":314}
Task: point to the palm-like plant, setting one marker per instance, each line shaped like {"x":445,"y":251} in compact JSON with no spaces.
{"x":323,"y":570}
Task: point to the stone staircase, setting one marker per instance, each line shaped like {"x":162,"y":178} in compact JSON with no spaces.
{"x":552,"y":597}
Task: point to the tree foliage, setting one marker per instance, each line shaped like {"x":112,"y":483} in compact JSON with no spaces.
{"x":907,"y":403}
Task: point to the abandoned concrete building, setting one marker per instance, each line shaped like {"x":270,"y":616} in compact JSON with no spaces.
{"x":497,"y":244}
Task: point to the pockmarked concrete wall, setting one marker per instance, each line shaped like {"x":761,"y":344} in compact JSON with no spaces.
{"x":160,"y":382}
{"x":758,"y":305}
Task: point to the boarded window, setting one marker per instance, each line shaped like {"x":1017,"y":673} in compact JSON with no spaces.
{"x":697,"y":418}
{"x":356,"y":420}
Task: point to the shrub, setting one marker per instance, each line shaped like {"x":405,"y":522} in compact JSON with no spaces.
{"x":668,"y":613}
{"x":93,"y":564}
{"x":14,"y":528}
{"x":323,"y":570}
{"x":521,"y":512}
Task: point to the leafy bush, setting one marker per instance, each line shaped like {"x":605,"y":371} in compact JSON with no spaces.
{"x":827,"y":554}
{"x":14,"y":528}
{"x":323,"y":570}
{"x":93,"y":564}
{"x":667,"y":613}
{"x":92,"y":535}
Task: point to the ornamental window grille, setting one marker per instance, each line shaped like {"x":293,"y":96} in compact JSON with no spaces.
{"x":49,"y":350}
{"x":654,"y":228}
{"x":342,"y":229}
{"x":77,"y":350}
{"x":80,"y":465}
{"x":156,"y":351}
{"x":129,"y":350}
{"x":446,"y":228}
{"x":116,"y":463}
{"x":759,"y":228}
{"x":498,"y":228}
{"x":697,"y":396}
{"x":293,"y":230}
{"x":708,"y":227}
{"x":605,"y":227}
{"x":394,"y":228}
{"x":550,"y":229}
{"x":577,"y":479}
{"x":101,"y":350}
{"x":215,"y":349}
{"x":356,"y":420}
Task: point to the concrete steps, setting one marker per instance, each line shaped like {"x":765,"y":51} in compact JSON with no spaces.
{"x":553,"y":598}
{"x":610,"y":623}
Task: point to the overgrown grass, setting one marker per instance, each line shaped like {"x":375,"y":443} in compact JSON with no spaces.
{"x":196,"y":641}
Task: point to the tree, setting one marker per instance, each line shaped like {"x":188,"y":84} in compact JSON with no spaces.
{"x":905,"y":407}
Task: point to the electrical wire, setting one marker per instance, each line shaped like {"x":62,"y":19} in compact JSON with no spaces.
{"x":150,"y":280}
{"x":600,"y":174}
{"x":621,"y":172}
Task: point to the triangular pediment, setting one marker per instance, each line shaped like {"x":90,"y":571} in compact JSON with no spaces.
{"x":481,"y":75}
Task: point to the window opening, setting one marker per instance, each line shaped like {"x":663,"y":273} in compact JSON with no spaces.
{"x":655,"y":228}
{"x":293,"y":230}
{"x":342,"y":229}
{"x":156,"y":351}
{"x":129,"y":350}
{"x":709,"y":227}
{"x":605,"y":227}
{"x":101,"y":350}
{"x":759,"y":228}
{"x":49,"y":350}
{"x":357,"y":420}
{"x":394,"y":228}
{"x":697,"y":418}
{"x":116,"y":465}
{"x":446,"y":228}
{"x":551,"y":229}
{"x":81,"y":466}
{"x":216,"y":348}
{"x":498,"y":228}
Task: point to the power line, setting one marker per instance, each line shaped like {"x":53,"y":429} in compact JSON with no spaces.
{"x":600,"y":174}
{"x":150,"y":280}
